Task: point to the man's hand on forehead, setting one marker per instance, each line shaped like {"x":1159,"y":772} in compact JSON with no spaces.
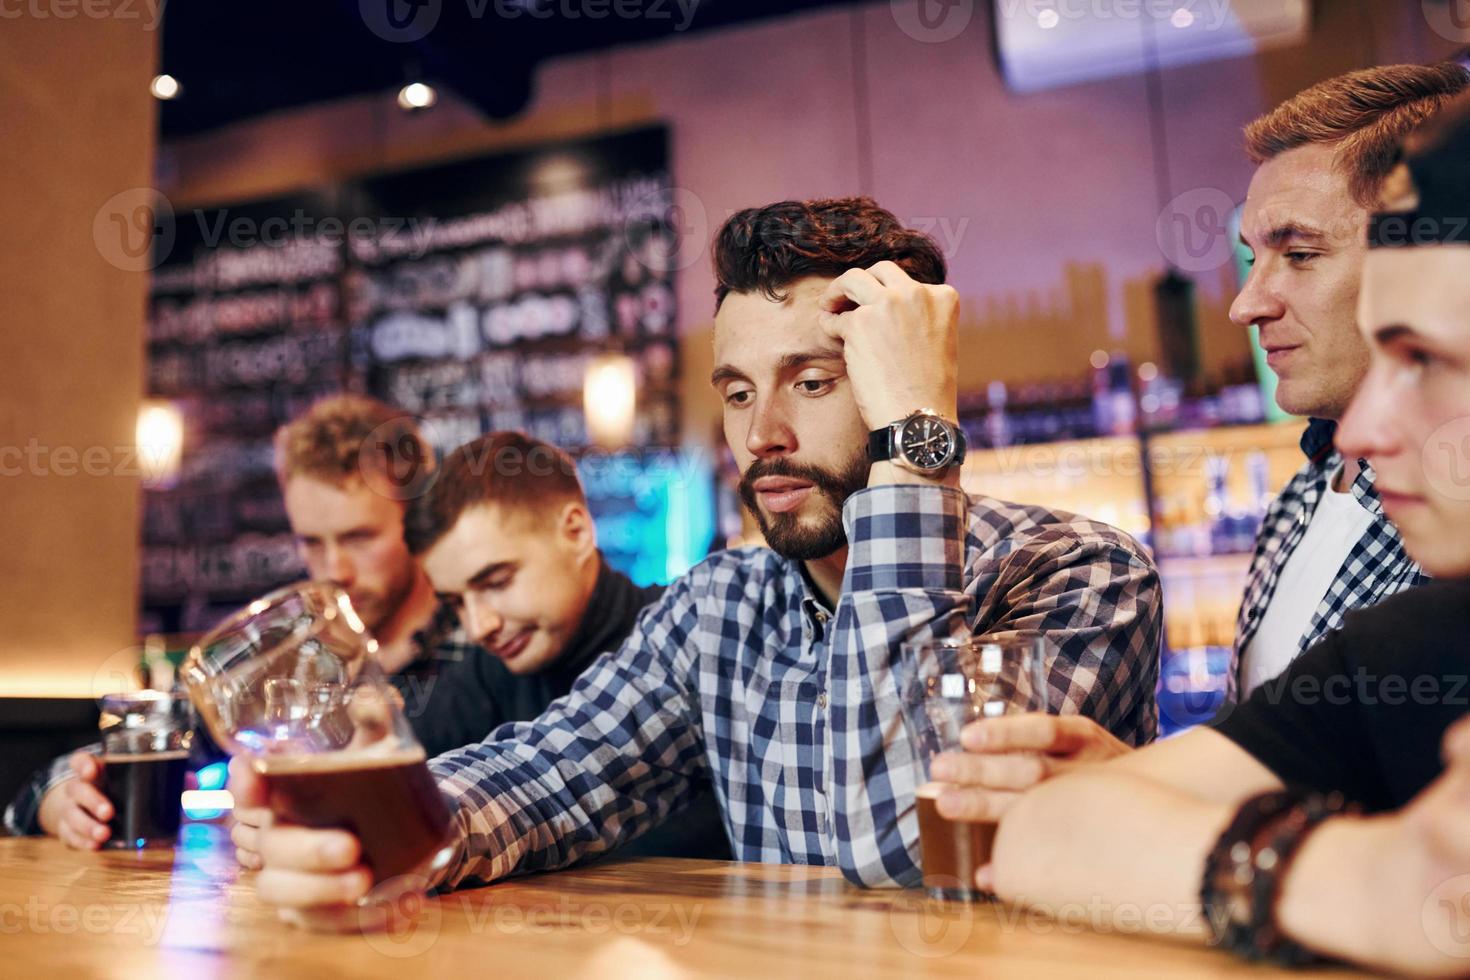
{"x":900,"y":341}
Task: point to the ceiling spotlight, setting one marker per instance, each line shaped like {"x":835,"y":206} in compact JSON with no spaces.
{"x":416,"y":95}
{"x":1048,"y":19}
{"x":165,"y":87}
{"x":1182,"y":18}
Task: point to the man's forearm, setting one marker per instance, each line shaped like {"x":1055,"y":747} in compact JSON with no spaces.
{"x":1111,"y":849}
{"x":891,"y":474}
{"x":1134,"y":863}
{"x":1354,"y":891}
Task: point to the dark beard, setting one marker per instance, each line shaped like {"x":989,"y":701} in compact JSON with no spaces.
{"x":785,"y":533}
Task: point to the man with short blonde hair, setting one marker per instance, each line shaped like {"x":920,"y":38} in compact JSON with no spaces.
{"x":1326,"y":547}
{"x":347,"y":469}
{"x":348,"y":436}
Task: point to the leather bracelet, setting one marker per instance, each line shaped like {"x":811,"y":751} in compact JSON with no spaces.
{"x":1243,"y":874}
{"x":1225,"y":896}
{"x":1288,"y":835}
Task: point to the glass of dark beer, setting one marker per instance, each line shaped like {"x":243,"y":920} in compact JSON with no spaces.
{"x":146,"y":737}
{"x":291,"y":683}
{"x":944,"y":684}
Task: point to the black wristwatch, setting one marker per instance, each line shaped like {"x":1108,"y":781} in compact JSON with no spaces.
{"x":924,"y":442}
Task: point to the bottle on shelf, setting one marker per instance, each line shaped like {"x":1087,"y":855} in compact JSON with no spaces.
{"x":997,"y":423}
{"x":1217,"y":472}
{"x":1114,"y":410}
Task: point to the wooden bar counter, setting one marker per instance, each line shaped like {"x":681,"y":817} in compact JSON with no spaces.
{"x":192,"y":912}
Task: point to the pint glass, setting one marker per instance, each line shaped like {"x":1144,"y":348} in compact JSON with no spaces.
{"x":290,"y":683}
{"x":146,"y":736}
{"x":944,"y":685}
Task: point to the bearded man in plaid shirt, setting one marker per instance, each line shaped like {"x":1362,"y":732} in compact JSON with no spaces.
{"x":771,"y":670}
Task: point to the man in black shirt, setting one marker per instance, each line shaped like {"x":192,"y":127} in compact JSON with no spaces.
{"x":1236,"y":819}
{"x":506,"y":538}
{"x":1366,"y":712}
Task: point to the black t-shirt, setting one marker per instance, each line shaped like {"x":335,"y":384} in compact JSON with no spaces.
{"x":1363,"y":712}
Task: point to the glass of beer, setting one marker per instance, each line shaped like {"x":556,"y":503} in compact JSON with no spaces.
{"x":944,"y":684}
{"x":146,"y":737}
{"x":291,"y":683}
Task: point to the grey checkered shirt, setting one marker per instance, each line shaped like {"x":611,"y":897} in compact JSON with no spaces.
{"x":1375,"y":567}
{"x":740,"y":674}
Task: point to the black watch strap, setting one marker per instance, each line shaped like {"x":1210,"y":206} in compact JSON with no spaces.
{"x":880,"y":445}
{"x":961,"y":446}
{"x":881,"y":448}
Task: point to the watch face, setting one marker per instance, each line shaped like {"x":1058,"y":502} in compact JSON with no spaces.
{"x":926,"y":442}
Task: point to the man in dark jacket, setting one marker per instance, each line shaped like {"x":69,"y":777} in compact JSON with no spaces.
{"x":506,"y":537}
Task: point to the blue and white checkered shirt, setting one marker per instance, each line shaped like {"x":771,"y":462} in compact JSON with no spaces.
{"x":1375,"y":568}
{"x":738,"y":672}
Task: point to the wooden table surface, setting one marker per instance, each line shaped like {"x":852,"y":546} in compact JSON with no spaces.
{"x":192,"y":913}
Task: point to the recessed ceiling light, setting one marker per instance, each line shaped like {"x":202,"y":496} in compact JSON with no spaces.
{"x":416,"y":95}
{"x":165,"y":87}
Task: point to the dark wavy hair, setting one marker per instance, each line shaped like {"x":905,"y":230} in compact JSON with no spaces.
{"x":769,"y":248}
{"x":522,"y":476}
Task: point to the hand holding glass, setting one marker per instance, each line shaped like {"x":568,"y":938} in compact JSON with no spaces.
{"x":943,"y":686}
{"x":290,"y":684}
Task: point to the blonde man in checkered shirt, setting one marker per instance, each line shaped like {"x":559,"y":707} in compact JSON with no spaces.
{"x":1326,"y":548}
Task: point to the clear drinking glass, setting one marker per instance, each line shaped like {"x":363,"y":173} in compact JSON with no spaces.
{"x":146,"y":736}
{"x":944,"y":684}
{"x":290,"y":683}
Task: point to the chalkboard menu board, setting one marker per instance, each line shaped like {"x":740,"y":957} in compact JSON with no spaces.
{"x":470,"y":294}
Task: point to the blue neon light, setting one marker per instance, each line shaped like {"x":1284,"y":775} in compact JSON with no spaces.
{"x":213,"y":776}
